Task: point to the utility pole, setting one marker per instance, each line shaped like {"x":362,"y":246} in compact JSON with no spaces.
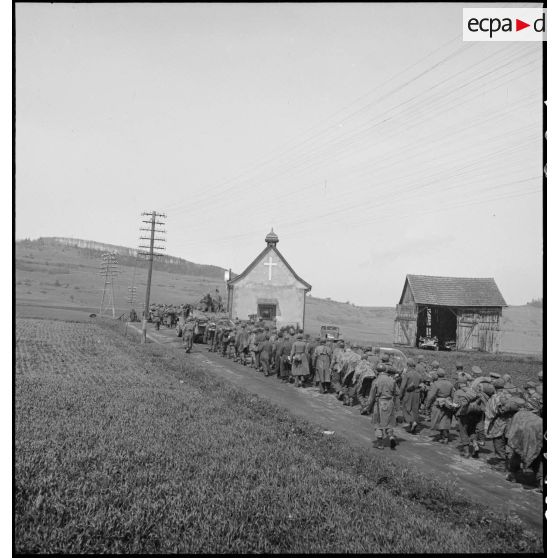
{"x":109,"y":269}
{"x":132,"y":291}
{"x":151,"y":252}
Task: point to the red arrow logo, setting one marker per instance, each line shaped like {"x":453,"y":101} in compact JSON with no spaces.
{"x":519,"y":25}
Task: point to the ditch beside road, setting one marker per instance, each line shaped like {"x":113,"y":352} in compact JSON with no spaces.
{"x":473,"y":477}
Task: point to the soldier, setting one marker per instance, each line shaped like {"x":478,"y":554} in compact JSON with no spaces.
{"x":533,"y":400}
{"x":283,"y":356}
{"x":410,"y":395}
{"x":349,"y":360}
{"x":382,"y":404}
{"x":188,"y":335}
{"x":260,"y":338}
{"x":311,"y":345}
{"x":273,"y":340}
{"x":276,"y":350}
{"x":422,"y":368}
{"x":524,"y":445}
{"x":336,"y":367}
{"x":425,"y":379}
{"x":494,"y":376}
{"x":225,"y":340}
{"x":217,"y":301}
{"x":265,"y":354}
{"x":157,"y":319}
{"x":495,"y":423}
{"x":299,"y":360}
{"x":321,"y":365}
{"x":509,"y":387}
{"x":217,"y":338}
{"x":364,"y":376}
{"x":479,"y":379}
{"x":440,"y":398}
{"x":242,"y":344}
{"x":470,"y":405}
{"x":252,"y":346}
{"x":373,"y":356}
{"x":461,"y":374}
{"x":434,"y":366}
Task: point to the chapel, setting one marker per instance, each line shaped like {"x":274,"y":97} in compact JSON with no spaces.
{"x":269,"y":288}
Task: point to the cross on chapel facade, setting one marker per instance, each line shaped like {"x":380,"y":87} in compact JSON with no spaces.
{"x":270,"y":264}
{"x":270,"y":288}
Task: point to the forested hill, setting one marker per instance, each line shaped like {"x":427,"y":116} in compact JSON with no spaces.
{"x":127,"y":256}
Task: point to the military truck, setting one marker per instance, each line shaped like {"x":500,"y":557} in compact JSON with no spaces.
{"x":329,"y":332}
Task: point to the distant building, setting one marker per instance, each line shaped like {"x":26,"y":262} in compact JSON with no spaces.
{"x":463,"y":310}
{"x":268,"y":287}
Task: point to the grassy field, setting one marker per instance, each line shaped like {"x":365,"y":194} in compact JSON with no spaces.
{"x":64,"y":276}
{"x":123,"y":447}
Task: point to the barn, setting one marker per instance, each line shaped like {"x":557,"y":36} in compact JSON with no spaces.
{"x":463,"y":310}
{"x":268,"y":288}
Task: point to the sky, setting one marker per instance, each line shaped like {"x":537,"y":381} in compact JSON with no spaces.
{"x":371,"y":138}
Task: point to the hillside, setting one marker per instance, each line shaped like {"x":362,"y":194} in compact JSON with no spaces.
{"x":54,"y":273}
{"x":126,"y":256}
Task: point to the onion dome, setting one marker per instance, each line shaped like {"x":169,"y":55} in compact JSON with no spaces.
{"x":272,"y":239}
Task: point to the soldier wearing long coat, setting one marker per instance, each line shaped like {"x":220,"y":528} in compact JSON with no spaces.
{"x":382,"y":404}
{"x":321,"y":364}
{"x":265,"y":355}
{"x":299,"y":360}
{"x":439,"y":398}
{"x":410,"y":394}
{"x":311,"y":345}
{"x":242,"y":344}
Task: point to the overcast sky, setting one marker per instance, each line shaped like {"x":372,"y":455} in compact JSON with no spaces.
{"x":370,"y":136}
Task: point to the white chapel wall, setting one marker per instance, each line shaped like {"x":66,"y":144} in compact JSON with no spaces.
{"x":282,"y":286}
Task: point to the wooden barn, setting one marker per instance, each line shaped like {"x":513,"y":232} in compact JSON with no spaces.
{"x":269,"y":288}
{"x":463,"y":310}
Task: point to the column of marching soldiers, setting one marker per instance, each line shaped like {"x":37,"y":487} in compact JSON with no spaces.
{"x":480,"y":406}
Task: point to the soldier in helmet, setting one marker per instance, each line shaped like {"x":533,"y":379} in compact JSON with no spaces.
{"x":440,"y":400}
{"x":382,"y":404}
{"x":434,"y":366}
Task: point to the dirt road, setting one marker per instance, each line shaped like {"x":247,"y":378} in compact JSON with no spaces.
{"x":472,"y":476}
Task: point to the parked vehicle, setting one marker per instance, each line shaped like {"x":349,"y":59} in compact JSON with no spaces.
{"x":428,"y":343}
{"x":329,"y":332}
{"x":450,"y":346}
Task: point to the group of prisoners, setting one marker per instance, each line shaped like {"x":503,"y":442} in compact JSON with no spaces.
{"x":481,"y":407}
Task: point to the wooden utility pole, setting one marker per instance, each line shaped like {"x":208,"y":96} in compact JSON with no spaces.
{"x":152,"y":251}
{"x":109,"y":269}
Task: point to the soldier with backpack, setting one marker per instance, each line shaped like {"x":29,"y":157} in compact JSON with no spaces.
{"x":469,"y":415}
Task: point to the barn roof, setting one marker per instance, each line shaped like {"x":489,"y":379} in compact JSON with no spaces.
{"x":454,"y":291}
{"x":267,"y":249}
